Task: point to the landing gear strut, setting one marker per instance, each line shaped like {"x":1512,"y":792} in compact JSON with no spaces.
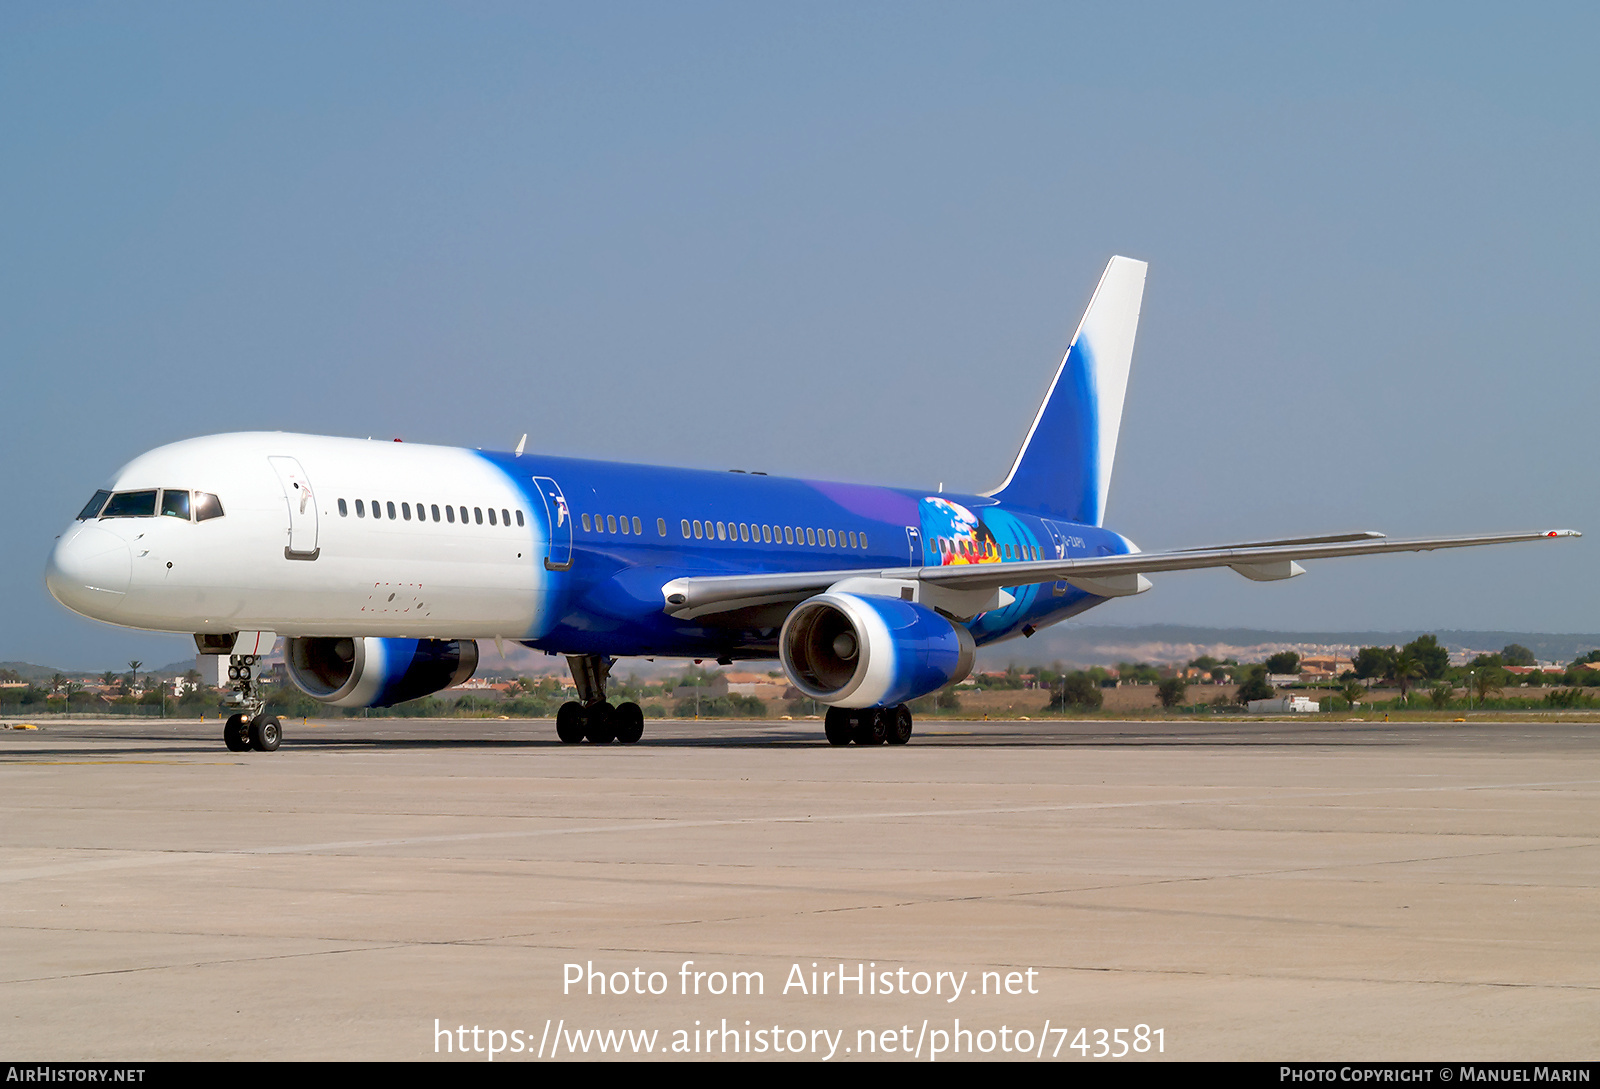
{"x":868,"y":726}
{"x":249,"y":728}
{"x":591,"y":716}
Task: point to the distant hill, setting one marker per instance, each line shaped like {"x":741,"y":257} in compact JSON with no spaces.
{"x":30,"y":672}
{"x":1170,"y":643}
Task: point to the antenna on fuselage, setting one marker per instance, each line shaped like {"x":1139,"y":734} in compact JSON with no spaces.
{"x":520,"y":444}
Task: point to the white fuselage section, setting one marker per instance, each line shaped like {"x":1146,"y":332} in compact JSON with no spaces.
{"x":283,"y":558}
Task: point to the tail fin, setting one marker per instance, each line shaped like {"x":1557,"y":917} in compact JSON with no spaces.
{"x":1064,"y":466}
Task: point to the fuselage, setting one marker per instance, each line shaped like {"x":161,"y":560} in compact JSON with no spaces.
{"x":318,"y":536}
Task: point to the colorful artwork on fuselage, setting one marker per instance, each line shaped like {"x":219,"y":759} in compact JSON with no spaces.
{"x":955,"y":534}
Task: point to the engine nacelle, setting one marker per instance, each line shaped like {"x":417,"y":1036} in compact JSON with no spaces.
{"x":854,"y":650}
{"x":368,"y":672}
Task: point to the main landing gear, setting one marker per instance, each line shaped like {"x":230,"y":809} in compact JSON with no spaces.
{"x":868,"y":726}
{"x":249,"y":728}
{"x":591,"y":716}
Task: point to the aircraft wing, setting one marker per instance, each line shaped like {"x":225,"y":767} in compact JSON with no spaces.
{"x":1106,"y":576}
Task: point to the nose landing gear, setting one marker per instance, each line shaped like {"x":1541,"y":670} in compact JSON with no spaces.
{"x":591,"y":716}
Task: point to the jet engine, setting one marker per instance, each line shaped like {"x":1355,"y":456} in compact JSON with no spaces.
{"x":368,"y":672}
{"x":856,"y":650}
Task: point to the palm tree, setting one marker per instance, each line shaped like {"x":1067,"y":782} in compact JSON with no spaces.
{"x":1353,"y":693}
{"x":1403,"y":668}
{"x":1487,"y":682}
{"x":133,"y":674}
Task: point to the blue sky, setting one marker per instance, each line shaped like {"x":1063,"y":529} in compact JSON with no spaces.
{"x":841,"y":241}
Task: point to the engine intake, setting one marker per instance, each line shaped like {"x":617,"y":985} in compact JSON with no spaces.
{"x":857,"y":650}
{"x":370,"y":672}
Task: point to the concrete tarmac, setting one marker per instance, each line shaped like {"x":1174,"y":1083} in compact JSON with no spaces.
{"x":1241,"y":890}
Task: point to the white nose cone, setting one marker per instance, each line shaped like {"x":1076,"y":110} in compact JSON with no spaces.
{"x":89,"y":571}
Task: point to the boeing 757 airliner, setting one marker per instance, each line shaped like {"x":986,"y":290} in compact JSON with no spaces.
{"x":383,"y":564}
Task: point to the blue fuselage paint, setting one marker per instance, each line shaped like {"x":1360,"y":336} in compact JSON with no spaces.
{"x":607,"y":597}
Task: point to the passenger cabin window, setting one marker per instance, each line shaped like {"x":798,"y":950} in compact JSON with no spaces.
{"x":361,"y":509}
{"x":505,"y":517}
{"x":131,"y":505}
{"x":491,"y":516}
{"x":176,"y":504}
{"x":520,"y":522}
{"x":435,"y":509}
{"x":94,"y":505}
{"x":344,"y":509}
{"x":684,"y":524}
{"x":450,"y":514}
{"x":477,"y":515}
{"x":661,"y":527}
{"x":405,"y":509}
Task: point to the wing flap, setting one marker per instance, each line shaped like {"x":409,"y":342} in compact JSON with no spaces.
{"x":701,"y":595}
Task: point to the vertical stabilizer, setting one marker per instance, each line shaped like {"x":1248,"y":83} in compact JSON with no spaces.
{"x":1064,"y":466}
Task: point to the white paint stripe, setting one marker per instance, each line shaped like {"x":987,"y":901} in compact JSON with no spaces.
{"x":161,"y":858}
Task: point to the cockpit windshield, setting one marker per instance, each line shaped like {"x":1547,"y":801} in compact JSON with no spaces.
{"x":131,"y":505}
{"x":173,"y":503}
{"x":94,"y":505}
{"x":206,"y":506}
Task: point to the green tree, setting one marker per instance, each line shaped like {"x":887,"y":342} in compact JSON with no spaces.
{"x":1138,"y":672}
{"x":1403,"y":669}
{"x":1440,"y":695}
{"x":1076,"y":692}
{"x":1353,"y":693}
{"x":1518,"y":655}
{"x":1564,"y":697}
{"x":1433,"y":659}
{"x":1254,"y":685}
{"x":1487,"y":682}
{"x":1372,"y":662}
{"x":1285,"y":661}
{"x":1172,"y":691}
